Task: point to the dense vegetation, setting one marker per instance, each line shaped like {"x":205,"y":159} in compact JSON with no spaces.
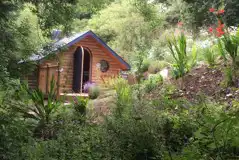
{"x":154,"y":118}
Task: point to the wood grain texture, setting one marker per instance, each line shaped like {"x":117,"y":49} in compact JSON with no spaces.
{"x":98,"y":53}
{"x":66,"y":60}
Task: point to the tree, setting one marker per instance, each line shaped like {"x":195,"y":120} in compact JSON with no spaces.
{"x":15,"y":39}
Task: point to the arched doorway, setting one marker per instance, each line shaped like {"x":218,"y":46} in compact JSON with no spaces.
{"x":82,"y":69}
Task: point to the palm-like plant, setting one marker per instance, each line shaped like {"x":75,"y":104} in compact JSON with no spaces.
{"x":179,"y":53}
{"x":231,"y":43}
{"x":40,"y":109}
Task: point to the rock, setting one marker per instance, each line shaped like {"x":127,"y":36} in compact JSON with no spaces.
{"x":237,"y":92}
{"x":229,"y":95}
{"x":164,"y":73}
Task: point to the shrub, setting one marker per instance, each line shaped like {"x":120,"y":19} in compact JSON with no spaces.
{"x":226,"y":40}
{"x":80,"y":104}
{"x":152,"y":82}
{"x":231,"y":44}
{"x":74,"y":141}
{"x":142,"y":131}
{"x":145,"y":66}
{"x":216,"y":134}
{"x":94,"y":92}
{"x":88,"y":85}
{"x":178,"y":49}
{"x":210,"y":57}
{"x":228,"y":76}
{"x":92,"y":89}
{"x":111,"y":83}
{"x":14,"y":133}
{"x":40,"y":110}
{"x":157,"y":66}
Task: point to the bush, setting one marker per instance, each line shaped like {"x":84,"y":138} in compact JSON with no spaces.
{"x":157,"y":66}
{"x":183,"y":62}
{"x":145,"y":66}
{"x":14,"y":133}
{"x":143,"y":131}
{"x":111,"y":83}
{"x":94,"y":92}
{"x":74,"y":142}
{"x":92,"y":89}
{"x":80,"y":104}
{"x":217,"y":133}
{"x":40,"y":111}
{"x":210,"y":57}
{"x":152,"y":82}
{"x":229,"y":76}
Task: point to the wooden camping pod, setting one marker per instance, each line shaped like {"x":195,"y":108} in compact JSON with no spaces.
{"x":62,"y":71}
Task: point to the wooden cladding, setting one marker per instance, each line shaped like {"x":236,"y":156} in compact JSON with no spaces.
{"x":97,"y":54}
{"x":47,"y":73}
{"x":64,"y":71}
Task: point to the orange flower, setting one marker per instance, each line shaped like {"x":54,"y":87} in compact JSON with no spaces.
{"x":220,"y":30}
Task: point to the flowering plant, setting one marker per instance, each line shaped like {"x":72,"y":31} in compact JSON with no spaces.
{"x":230,"y":42}
{"x":88,"y":85}
{"x":92,"y":89}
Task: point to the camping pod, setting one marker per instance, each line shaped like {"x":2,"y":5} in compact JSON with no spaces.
{"x":78,"y":59}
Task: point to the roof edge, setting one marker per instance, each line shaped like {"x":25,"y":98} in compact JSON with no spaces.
{"x":91,"y":33}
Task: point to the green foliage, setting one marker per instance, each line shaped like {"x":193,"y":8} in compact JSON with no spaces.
{"x":18,"y":32}
{"x":153,"y":82}
{"x":216,"y":135}
{"x":139,"y":126}
{"x":94,"y":92}
{"x":210,"y":56}
{"x":164,"y":128}
{"x":157,"y":66}
{"x":178,"y":50}
{"x":221,"y":50}
{"x":145,"y":66}
{"x":40,"y":110}
{"x":231,"y":44}
{"x":74,"y":141}
{"x":112,"y":83}
{"x":80,"y":104}
{"x":14,"y":133}
{"x":229,"y":78}
{"x":126,"y":29}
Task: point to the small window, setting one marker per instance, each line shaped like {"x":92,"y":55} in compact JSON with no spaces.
{"x":104,"y":66}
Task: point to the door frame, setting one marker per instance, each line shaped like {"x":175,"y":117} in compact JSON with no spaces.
{"x":82,"y":66}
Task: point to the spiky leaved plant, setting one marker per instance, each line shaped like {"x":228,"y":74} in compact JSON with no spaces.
{"x":41,"y":109}
{"x":178,"y":48}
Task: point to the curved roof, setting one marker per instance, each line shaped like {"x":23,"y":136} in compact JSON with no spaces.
{"x":70,"y":41}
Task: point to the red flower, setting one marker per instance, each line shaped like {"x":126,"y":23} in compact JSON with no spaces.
{"x":180,"y":24}
{"x":222,"y":11}
{"x":220,"y":30}
{"x":211,"y":10}
{"x":210,"y":29}
{"x":219,"y":34}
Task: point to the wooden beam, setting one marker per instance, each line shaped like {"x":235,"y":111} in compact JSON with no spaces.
{"x":82,"y":68}
{"x":58,"y":80}
{"x":47,"y":78}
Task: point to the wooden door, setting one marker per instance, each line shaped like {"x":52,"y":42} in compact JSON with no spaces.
{"x":77,"y":72}
{"x":46,"y":75}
